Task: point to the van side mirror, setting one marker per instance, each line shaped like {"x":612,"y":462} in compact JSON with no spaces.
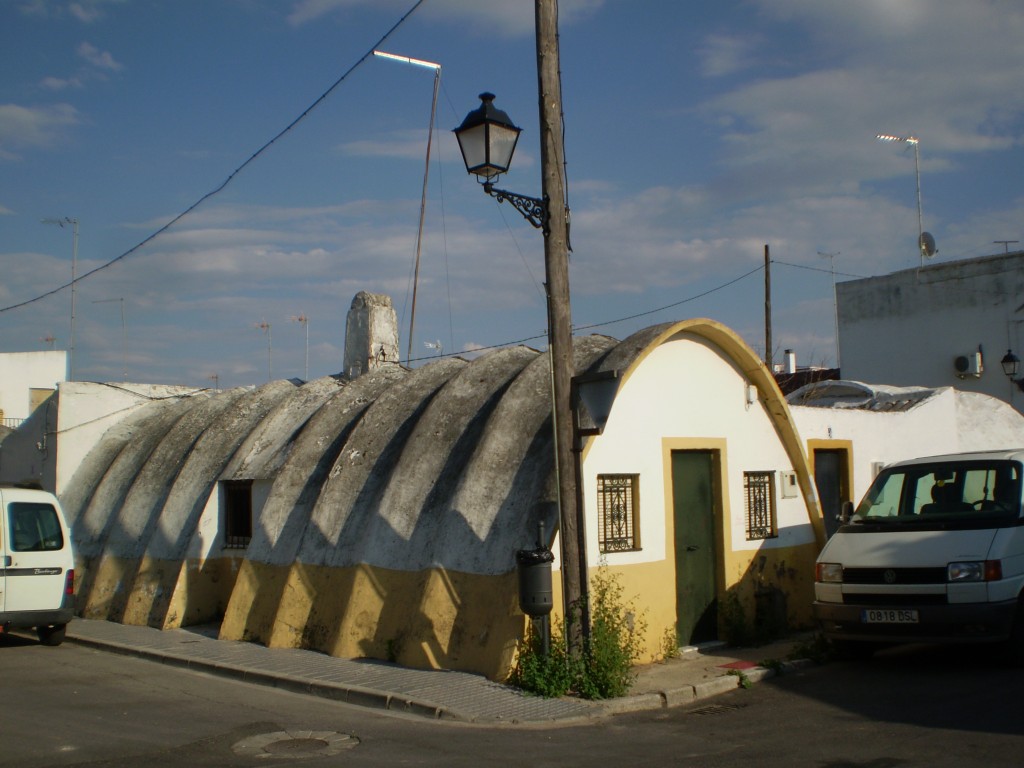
{"x":845,"y":512}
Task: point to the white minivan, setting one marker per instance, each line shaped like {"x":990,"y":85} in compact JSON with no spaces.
{"x":933,"y":553}
{"x":37,"y":577}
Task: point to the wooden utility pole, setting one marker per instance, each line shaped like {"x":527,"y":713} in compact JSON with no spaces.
{"x":767,"y":309}
{"x":556,"y":265}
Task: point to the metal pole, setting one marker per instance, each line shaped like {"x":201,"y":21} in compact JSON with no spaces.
{"x":556,"y":264}
{"x":74,"y":278}
{"x":124,"y":337}
{"x":920,"y":214}
{"x":423,"y":208}
{"x":835,"y":298}
{"x":767,"y":308}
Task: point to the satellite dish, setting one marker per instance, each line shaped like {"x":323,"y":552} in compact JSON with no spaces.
{"x":927,"y":245}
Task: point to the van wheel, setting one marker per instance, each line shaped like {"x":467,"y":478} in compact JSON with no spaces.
{"x":1014,"y":647}
{"x":853,"y":650}
{"x":53,"y":635}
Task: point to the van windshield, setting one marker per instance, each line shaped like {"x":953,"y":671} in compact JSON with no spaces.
{"x":966,"y":493}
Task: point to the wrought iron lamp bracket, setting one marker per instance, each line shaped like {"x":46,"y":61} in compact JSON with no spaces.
{"x":533,"y":209}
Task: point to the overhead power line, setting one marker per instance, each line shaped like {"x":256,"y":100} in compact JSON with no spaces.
{"x":231,"y":176}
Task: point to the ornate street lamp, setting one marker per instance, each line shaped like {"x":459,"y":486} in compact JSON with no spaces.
{"x":1010,"y":363}
{"x":1011,"y":367}
{"x":487,"y":138}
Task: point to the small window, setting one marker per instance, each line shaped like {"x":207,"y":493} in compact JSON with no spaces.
{"x":34,"y":527}
{"x":236,"y":497}
{"x":618,"y":512}
{"x":759,"y":497}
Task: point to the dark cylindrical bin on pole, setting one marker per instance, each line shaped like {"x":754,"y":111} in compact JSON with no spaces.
{"x":535,"y":581}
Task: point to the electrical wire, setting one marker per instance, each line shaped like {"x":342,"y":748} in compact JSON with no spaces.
{"x":708,"y":292}
{"x":219,"y":188}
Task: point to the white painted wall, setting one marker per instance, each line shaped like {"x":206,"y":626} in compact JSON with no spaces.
{"x":907,"y":328}
{"x":687,"y":389}
{"x":87,"y":410}
{"x":23,"y":371}
{"x":948,"y":421}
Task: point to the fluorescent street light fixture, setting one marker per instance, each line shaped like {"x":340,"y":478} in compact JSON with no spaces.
{"x":889,"y":137}
{"x":407,"y":60}
{"x":925,"y":240}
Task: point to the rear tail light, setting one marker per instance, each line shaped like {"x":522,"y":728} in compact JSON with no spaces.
{"x":69,"y":582}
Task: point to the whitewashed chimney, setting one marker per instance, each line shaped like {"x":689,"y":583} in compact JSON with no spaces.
{"x":371,"y":334}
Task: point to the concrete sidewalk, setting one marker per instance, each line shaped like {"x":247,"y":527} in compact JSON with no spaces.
{"x":459,"y":696}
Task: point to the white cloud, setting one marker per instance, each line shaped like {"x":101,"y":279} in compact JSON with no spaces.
{"x":724,"y":55}
{"x":97,"y":58}
{"x":498,"y":17}
{"x":409,"y":145}
{"x":85,"y":11}
{"x":59,"y":83}
{"x":33,"y":126}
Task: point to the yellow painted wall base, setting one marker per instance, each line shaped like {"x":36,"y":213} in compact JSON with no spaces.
{"x":432,"y":619}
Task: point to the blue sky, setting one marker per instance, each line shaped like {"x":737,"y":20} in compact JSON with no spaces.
{"x":696,"y":133}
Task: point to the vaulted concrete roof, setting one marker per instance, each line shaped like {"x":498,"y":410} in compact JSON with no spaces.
{"x":390,"y":505}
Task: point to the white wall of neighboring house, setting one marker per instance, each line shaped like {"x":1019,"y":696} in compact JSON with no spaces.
{"x":23,"y":372}
{"x":74,"y":419}
{"x":946,"y":421}
{"x":908,"y":328}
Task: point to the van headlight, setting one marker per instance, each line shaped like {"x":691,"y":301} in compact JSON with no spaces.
{"x":981,"y":570}
{"x":832,"y":572}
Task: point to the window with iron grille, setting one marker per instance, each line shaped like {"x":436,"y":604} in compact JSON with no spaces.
{"x":618,"y":512}
{"x":236,"y":498}
{"x":759,"y":497}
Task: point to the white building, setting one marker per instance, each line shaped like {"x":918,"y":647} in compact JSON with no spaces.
{"x":940,"y":325}
{"x":27,"y":379}
{"x":851,"y":430}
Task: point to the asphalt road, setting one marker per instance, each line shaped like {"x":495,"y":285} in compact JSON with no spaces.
{"x":73,"y":706}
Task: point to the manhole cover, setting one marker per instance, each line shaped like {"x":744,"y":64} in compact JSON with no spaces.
{"x":295,"y":744}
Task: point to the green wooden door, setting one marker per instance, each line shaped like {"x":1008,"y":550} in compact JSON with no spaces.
{"x":693,"y":500}
{"x":829,"y":473}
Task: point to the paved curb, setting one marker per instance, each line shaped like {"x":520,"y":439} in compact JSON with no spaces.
{"x":688,"y":694}
{"x":474,"y":710}
{"x":349,"y":694}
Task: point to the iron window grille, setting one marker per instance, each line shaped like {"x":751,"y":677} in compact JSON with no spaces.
{"x":759,"y":498}
{"x":237,"y":505}
{"x":618,"y":513}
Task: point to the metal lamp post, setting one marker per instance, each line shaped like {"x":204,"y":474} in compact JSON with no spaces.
{"x":301,"y":318}
{"x":487,"y":138}
{"x":124,"y":336}
{"x":74,"y":277}
{"x":925,"y":241}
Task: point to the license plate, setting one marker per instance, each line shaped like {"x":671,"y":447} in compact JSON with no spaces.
{"x":888,"y":616}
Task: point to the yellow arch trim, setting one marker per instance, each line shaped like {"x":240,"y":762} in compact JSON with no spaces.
{"x":744,"y":358}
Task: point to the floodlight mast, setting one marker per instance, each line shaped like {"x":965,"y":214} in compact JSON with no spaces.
{"x":74,"y":282}
{"x":426,"y":176}
{"x":915,"y":141}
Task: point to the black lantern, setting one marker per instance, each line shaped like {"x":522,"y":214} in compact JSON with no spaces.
{"x":487,"y":138}
{"x":1010,"y":363}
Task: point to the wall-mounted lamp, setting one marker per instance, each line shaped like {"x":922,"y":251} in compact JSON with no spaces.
{"x":487,"y":138}
{"x":1011,"y":367}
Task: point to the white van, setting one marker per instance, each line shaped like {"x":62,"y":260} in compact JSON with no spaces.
{"x":37,"y":576}
{"x":934,"y":553}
